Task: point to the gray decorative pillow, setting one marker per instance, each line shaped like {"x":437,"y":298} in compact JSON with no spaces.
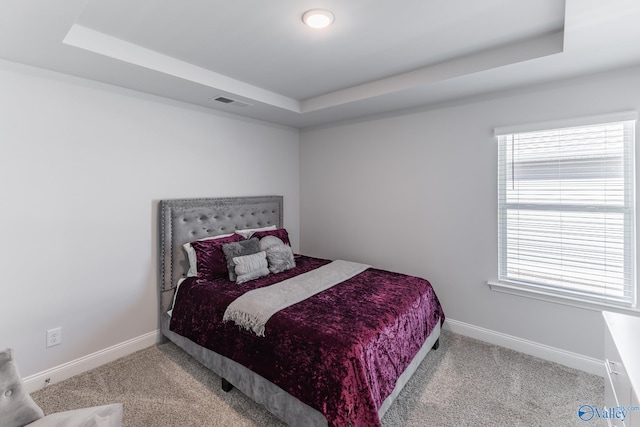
{"x":236,"y":249}
{"x":17,"y":408}
{"x":270,"y":241}
{"x":249,"y":267}
{"x":280,"y":258}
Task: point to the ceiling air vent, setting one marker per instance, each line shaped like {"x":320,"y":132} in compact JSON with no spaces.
{"x":229,"y":101}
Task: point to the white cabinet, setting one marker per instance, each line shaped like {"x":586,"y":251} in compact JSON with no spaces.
{"x":622,"y":362}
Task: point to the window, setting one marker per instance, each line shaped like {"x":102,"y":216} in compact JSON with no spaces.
{"x":566,"y":220}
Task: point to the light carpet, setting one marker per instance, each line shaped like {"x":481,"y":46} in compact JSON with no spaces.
{"x":464,"y":383}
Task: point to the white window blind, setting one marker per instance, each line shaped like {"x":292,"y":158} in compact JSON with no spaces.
{"x":566,"y":216}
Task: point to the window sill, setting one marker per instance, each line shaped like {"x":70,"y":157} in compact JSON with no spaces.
{"x":558,"y":299}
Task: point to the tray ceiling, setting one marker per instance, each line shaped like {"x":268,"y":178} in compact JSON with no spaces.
{"x":377,"y":57}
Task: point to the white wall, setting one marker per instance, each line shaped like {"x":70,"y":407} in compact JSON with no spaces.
{"x":82,"y":166}
{"x":417,"y":193}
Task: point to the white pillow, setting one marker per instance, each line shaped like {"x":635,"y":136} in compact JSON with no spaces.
{"x":191,"y":254}
{"x":249,"y":267}
{"x":170,"y":311}
{"x":248,"y":232}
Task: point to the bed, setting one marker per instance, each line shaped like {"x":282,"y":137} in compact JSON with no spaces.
{"x":330,"y":359}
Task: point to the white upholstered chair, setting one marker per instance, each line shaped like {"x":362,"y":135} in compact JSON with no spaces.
{"x":17,"y":408}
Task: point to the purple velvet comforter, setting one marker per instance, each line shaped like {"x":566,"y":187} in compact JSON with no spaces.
{"x":340,"y":351}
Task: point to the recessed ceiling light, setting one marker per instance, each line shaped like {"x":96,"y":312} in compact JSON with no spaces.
{"x":318,"y":18}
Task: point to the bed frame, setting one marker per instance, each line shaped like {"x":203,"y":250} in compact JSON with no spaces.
{"x":185,"y":220}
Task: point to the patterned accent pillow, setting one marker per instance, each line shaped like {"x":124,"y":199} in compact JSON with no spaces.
{"x":280,"y":258}
{"x":236,"y":249}
{"x":249,"y":267}
{"x":211,"y":263}
{"x":280,"y":233}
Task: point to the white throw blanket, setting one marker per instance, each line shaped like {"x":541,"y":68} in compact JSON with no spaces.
{"x":253,"y":309}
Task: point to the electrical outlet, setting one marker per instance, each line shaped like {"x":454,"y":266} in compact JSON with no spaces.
{"x":54,"y":337}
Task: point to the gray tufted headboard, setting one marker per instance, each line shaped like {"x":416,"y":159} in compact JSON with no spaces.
{"x":186,"y":220}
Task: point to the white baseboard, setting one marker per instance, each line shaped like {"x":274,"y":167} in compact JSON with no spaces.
{"x":552,"y":354}
{"x":67,"y":370}
{"x":573,"y":360}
